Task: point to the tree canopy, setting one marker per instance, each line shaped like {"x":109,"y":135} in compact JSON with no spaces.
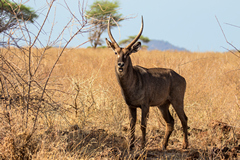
{"x":98,"y":15}
{"x":12,"y":13}
{"x":130,"y":38}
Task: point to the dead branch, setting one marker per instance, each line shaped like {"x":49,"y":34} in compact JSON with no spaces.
{"x":228,"y":41}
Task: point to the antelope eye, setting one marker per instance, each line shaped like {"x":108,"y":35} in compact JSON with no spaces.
{"x":115,"y":52}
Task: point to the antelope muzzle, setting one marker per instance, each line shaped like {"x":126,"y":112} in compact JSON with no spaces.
{"x":120,"y":66}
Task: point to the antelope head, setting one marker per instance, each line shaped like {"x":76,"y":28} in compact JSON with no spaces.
{"x":123,"y":54}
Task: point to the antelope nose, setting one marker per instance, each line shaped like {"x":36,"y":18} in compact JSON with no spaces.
{"x":120,"y":64}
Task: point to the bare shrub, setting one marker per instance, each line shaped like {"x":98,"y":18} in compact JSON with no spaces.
{"x":29,"y":92}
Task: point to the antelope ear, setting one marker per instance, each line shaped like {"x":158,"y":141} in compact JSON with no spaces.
{"x":136,"y":47}
{"x":110,"y":44}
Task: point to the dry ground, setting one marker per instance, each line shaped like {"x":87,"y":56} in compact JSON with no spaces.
{"x":92,"y":118}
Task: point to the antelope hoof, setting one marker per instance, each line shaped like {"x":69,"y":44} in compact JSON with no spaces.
{"x":163,"y":147}
{"x":143,"y":145}
{"x":185,"y":145}
{"x":132,"y":146}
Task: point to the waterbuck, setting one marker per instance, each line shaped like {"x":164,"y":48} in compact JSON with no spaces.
{"x":144,"y":87}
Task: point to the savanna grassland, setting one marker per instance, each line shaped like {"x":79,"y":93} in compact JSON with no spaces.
{"x":84,"y":114}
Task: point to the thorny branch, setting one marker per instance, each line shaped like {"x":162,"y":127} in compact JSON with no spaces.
{"x":19,"y":73}
{"x":228,"y":41}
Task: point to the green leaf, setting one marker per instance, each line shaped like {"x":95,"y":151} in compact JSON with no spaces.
{"x":130,"y":38}
{"x":12,"y":13}
{"x":98,"y":14}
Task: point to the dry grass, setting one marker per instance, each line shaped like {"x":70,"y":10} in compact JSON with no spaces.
{"x":93,"y":119}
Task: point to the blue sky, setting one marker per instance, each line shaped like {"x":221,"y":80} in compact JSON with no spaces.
{"x":184,"y":23}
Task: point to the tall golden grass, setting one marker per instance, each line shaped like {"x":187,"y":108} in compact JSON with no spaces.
{"x":213,"y":79}
{"x":85,"y":86}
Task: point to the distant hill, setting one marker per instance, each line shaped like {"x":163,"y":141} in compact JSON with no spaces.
{"x":162,"y":45}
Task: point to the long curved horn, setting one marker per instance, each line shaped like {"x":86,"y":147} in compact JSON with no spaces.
{"x":137,"y":37}
{"x":110,"y":34}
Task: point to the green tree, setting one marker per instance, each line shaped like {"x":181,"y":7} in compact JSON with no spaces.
{"x":98,"y":15}
{"x":11,"y":14}
{"x":130,"y":38}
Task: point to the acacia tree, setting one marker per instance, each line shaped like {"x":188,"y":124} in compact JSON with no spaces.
{"x":11,"y":14}
{"x":98,"y":15}
{"x":130,"y":38}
